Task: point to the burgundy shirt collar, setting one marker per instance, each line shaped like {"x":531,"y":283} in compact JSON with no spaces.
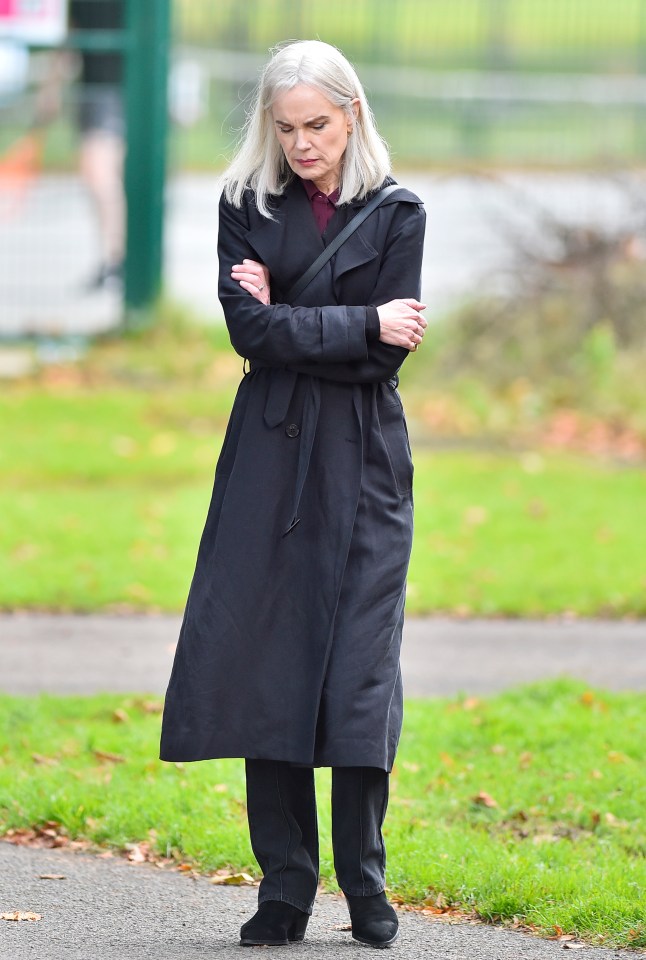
{"x":323,"y":205}
{"x":312,"y":190}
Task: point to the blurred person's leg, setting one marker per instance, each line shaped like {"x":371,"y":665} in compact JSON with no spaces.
{"x":101,"y":161}
{"x":101,"y":165}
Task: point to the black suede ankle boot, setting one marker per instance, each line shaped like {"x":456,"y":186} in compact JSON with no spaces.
{"x":275,"y":924}
{"x":374,"y":921}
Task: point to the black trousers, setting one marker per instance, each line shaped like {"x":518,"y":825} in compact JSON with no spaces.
{"x":281,"y":808}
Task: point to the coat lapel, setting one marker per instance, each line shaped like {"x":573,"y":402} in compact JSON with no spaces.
{"x":291,"y":242}
{"x":356,"y":250}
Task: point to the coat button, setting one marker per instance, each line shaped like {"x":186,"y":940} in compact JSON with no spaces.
{"x":292,"y":430}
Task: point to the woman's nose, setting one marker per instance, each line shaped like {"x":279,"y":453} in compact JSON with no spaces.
{"x":302,"y":140}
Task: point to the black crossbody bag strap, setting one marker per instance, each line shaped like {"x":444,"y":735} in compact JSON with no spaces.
{"x":338,"y":241}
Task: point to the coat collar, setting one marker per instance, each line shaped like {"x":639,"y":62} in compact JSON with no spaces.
{"x":295,"y":220}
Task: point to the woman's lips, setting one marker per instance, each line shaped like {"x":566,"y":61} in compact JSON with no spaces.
{"x":306,"y":163}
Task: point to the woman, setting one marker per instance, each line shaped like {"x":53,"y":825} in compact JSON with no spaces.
{"x":289,"y":650}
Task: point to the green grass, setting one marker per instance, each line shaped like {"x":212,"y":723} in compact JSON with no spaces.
{"x":562,"y":847}
{"x":103,"y":496}
{"x":526,"y":535}
{"x":106,"y":472}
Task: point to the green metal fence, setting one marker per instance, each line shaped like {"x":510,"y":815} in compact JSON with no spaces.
{"x":38,"y":245}
{"x":538,"y":82}
{"x":555,"y":83}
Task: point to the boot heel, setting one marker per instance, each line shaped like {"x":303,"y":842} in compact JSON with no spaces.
{"x":275,"y":923}
{"x":297,"y":933}
{"x":374,"y":921}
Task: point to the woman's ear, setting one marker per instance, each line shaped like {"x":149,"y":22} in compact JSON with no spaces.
{"x":356,"y":108}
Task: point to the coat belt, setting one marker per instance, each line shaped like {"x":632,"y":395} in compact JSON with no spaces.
{"x":279,"y":396}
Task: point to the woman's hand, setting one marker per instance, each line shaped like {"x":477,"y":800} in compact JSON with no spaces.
{"x":254,"y":278}
{"x":402,"y":324}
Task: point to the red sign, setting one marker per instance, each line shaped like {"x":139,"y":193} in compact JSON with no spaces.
{"x":33,"y":21}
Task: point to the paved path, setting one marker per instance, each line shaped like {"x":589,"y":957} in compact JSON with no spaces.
{"x":113,"y":910}
{"x":87,"y":654}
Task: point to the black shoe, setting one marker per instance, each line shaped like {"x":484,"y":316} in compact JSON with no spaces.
{"x":276,"y":923}
{"x":108,"y":276}
{"x":374,"y":921}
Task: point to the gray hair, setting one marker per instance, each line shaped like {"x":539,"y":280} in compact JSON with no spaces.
{"x":260,"y":163}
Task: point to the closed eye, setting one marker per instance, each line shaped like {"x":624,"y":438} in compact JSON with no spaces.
{"x":312,"y":126}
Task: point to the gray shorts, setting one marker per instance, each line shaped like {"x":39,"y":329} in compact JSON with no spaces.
{"x":101,"y":108}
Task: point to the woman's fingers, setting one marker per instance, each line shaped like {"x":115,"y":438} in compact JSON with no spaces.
{"x":248,"y":278}
{"x":402,"y":323}
{"x":415,"y":304}
{"x":252,"y":277}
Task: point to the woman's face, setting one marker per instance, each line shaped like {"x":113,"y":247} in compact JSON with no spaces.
{"x":313,"y":133}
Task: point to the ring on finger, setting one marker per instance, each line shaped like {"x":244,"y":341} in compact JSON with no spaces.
{"x":261,"y":288}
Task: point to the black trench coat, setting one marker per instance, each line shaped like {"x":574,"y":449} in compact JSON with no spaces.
{"x":289,"y":647}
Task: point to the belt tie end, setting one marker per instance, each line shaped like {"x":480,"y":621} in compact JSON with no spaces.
{"x":295,"y":521}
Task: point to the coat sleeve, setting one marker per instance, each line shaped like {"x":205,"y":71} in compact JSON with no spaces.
{"x":399,"y":278}
{"x":279,"y":333}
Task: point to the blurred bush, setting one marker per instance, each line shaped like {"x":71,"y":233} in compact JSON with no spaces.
{"x":567,"y":332}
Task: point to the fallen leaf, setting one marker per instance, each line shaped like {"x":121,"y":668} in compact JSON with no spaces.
{"x":470,"y":703}
{"x":120,"y":716}
{"x":138,"y":591}
{"x":220,"y":788}
{"x":21,"y":915}
{"x":136,"y":852}
{"x":52,"y":876}
{"x":438,"y":904}
{"x":185,"y":867}
{"x":152,"y":706}
{"x":573,"y":946}
{"x":232,"y":879}
{"x":342,"y":926}
{"x":106,"y":755}
{"x":614,"y":821}
{"x":484,"y":799}
{"x":411,"y":767}
{"x":44,"y":761}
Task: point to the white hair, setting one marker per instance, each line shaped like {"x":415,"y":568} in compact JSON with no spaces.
{"x":260,"y":163}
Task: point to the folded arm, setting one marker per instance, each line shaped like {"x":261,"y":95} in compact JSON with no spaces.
{"x":352,"y":343}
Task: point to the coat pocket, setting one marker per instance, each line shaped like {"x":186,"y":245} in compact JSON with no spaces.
{"x":396,"y":443}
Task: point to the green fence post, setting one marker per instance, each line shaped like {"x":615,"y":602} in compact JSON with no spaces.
{"x":146,"y":81}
